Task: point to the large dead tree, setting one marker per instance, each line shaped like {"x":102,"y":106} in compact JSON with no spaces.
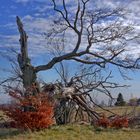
{"x":85,"y":27}
{"x":92,"y":44}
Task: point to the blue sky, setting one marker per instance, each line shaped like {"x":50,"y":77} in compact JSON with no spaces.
{"x":37,"y":17}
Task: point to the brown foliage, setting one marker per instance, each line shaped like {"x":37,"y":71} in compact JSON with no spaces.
{"x":31,"y":112}
{"x":116,"y":122}
{"x":119,"y":122}
{"x":103,"y":121}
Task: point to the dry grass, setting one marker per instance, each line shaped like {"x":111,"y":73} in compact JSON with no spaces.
{"x":75,"y":132}
{"x":121,"y":110}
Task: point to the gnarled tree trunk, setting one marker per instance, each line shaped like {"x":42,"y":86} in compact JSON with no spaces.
{"x":28,"y":73}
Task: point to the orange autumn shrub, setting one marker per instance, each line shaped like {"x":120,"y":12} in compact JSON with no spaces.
{"x":117,"y":122}
{"x":31,"y":112}
{"x":103,"y":122}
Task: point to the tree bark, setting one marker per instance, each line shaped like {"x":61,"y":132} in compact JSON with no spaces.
{"x":28,"y":73}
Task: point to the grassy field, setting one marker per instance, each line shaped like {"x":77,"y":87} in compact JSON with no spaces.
{"x":121,"y":110}
{"x":75,"y":131}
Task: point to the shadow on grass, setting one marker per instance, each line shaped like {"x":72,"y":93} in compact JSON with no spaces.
{"x":9,"y":132}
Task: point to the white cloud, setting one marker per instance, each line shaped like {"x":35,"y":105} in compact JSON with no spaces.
{"x":26,"y":1}
{"x":36,"y":26}
{"x":44,"y":8}
{"x":22,"y":1}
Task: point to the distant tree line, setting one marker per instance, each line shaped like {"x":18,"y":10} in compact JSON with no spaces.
{"x":132,"y":102}
{"x":121,"y":102}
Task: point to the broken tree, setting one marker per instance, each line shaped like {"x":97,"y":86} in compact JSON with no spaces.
{"x":111,"y":39}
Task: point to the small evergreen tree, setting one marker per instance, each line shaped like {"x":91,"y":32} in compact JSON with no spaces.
{"x":120,"y":101}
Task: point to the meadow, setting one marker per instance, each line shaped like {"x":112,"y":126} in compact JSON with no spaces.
{"x":125,"y":110}
{"x":76,"y":131}
{"x":73,"y":132}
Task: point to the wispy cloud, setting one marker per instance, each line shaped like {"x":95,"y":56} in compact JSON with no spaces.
{"x":22,"y":1}
{"x":36,"y":24}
